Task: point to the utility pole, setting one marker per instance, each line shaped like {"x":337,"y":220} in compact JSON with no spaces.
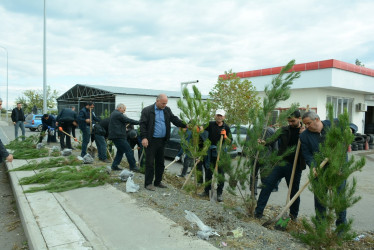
{"x":186,"y":83}
{"x":7,"y":104}
{"x":44,"y":67}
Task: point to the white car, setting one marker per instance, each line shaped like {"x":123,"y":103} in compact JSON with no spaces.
{"x":240,"y":132}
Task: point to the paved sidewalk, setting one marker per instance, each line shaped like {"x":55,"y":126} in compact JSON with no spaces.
{"x":94,"y":218}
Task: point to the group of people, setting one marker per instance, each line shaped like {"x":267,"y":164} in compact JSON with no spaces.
{"x":155,"y":123}
{"x":311,"y":131}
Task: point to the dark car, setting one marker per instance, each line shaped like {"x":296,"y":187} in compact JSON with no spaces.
{"x":34,"y":122}
{"x":173,"y":146}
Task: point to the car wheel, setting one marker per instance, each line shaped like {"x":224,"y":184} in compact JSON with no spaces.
{"x":32,"y":129}
{"x":40,"y":127}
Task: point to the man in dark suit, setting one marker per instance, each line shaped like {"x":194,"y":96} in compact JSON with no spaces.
{"x":155,"y":131}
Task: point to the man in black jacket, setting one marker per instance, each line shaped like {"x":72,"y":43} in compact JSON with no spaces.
{"x":101,"y":131}
{"x":216,"y":129}
{"x":117,"y":133}
{"x":49,"y":127}
{"x":85,"y":124}
{"x":288,"y":138}
{"x":66,"y":120}
{"x":155,"y":131}
{"x":18,"y":118}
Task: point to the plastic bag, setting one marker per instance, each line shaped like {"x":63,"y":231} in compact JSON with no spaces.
{"x":131,"y":187}
{"x":205,"y":231}
{"x":125,"y":174}
{"x":87,"y":159}
{"x":66,"y":152}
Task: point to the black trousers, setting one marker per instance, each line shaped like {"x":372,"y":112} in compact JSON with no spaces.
{"x":154,"y":161}
{"x":67,"y":128}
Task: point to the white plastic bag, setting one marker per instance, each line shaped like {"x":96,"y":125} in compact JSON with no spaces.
{"x":205,"y":231}
{"x":131,"y":187}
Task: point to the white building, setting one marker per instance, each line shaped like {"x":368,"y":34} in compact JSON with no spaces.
{"x":107,"y":98}
{"x":343,"y":84}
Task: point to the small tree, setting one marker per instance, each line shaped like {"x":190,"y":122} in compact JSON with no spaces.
{"x":35,"y":97}
{"x":195,"y":113}
{"x":359,"y":63}
{"x":329,"y":186}
{"x":235,"y":96}
{"x":253,"y":151}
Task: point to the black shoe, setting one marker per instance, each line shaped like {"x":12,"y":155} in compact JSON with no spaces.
{"x":116,"y":169}
{"x":160,"y":185}
{"x":106,"y":161}
{"x":204,"y":194}
{"x":219,"y":198}
{"x":180,"y":176}
{"x":150,"y":187}
{"x":258,"y":215}
{"x":293,"y":217}
{"x":136,"y":170}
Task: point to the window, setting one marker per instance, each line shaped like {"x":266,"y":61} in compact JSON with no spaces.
{"x":339,"y":104}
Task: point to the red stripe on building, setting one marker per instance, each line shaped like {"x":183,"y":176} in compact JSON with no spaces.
{"x":332,"y":63}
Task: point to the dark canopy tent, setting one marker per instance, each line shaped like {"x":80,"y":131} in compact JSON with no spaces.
{"x":78,"y":95}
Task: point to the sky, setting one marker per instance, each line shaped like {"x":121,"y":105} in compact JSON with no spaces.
{"x":158,"y":44}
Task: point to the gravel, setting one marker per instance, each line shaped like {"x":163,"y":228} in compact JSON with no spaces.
{"x":226,"y":218}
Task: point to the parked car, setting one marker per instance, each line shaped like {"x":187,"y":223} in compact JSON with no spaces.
{"x":34,"y":122}
{"x":240,"y":132}
{"x":173,"y":146}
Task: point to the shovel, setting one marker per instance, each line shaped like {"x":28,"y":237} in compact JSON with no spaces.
{"x":213,"y":189}
{"x":289,"y":204}
{"x":282,"y":223}
{"x":171,"y":163}
{"x":61,"y":130}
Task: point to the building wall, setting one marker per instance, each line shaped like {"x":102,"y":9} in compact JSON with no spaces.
{"x":317,"y":98}
{"x":135,"y":103}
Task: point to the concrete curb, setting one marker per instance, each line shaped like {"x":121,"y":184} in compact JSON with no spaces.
{"x":34,"y":236}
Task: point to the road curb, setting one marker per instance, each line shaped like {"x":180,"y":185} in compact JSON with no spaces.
{"x":33,"y":234}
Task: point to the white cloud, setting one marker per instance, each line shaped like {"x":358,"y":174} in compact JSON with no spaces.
{"x":158,"y":44}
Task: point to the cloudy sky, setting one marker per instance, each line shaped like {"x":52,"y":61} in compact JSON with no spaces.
{"x":158,"y":44}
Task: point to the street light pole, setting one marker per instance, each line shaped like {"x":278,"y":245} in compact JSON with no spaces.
{"x":186,"y":83}
{"x":44,"y":68}
{"x":6,"y":113}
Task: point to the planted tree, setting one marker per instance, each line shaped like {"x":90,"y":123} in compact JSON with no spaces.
{"x":195,"y":113}
{"x":235,"y":96}
{"x":333,"y":186}
{"x":255,"y":149}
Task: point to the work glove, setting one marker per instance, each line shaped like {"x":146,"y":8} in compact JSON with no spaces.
{"x":49,"y":127}
{"x":223,"y":132}
{"x":177,"y":158}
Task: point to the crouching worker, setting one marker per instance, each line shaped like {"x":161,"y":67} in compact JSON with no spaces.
{"x":49,"y":127}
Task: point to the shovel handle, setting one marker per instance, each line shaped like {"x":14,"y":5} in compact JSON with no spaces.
{"x":289,"y":204}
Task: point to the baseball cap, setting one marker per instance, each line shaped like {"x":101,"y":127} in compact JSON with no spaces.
{"x":220,"y":112}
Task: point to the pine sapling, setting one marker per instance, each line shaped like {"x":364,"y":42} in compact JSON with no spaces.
{"x":254,"y":150}
{"x":332,"y":187}
{"x":195,"y":113}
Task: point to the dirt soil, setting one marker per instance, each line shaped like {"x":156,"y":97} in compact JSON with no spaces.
{"x":12,"y":235}
{"x":227,"y":218}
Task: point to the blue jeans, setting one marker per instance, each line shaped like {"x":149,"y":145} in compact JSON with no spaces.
{"x":123,"y":147}
{"x":22,"y":126}
{"x":321,"y":210}
{"x":271,"y":181}
{"x":86,"y":139}
{"x":101,"y":146}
